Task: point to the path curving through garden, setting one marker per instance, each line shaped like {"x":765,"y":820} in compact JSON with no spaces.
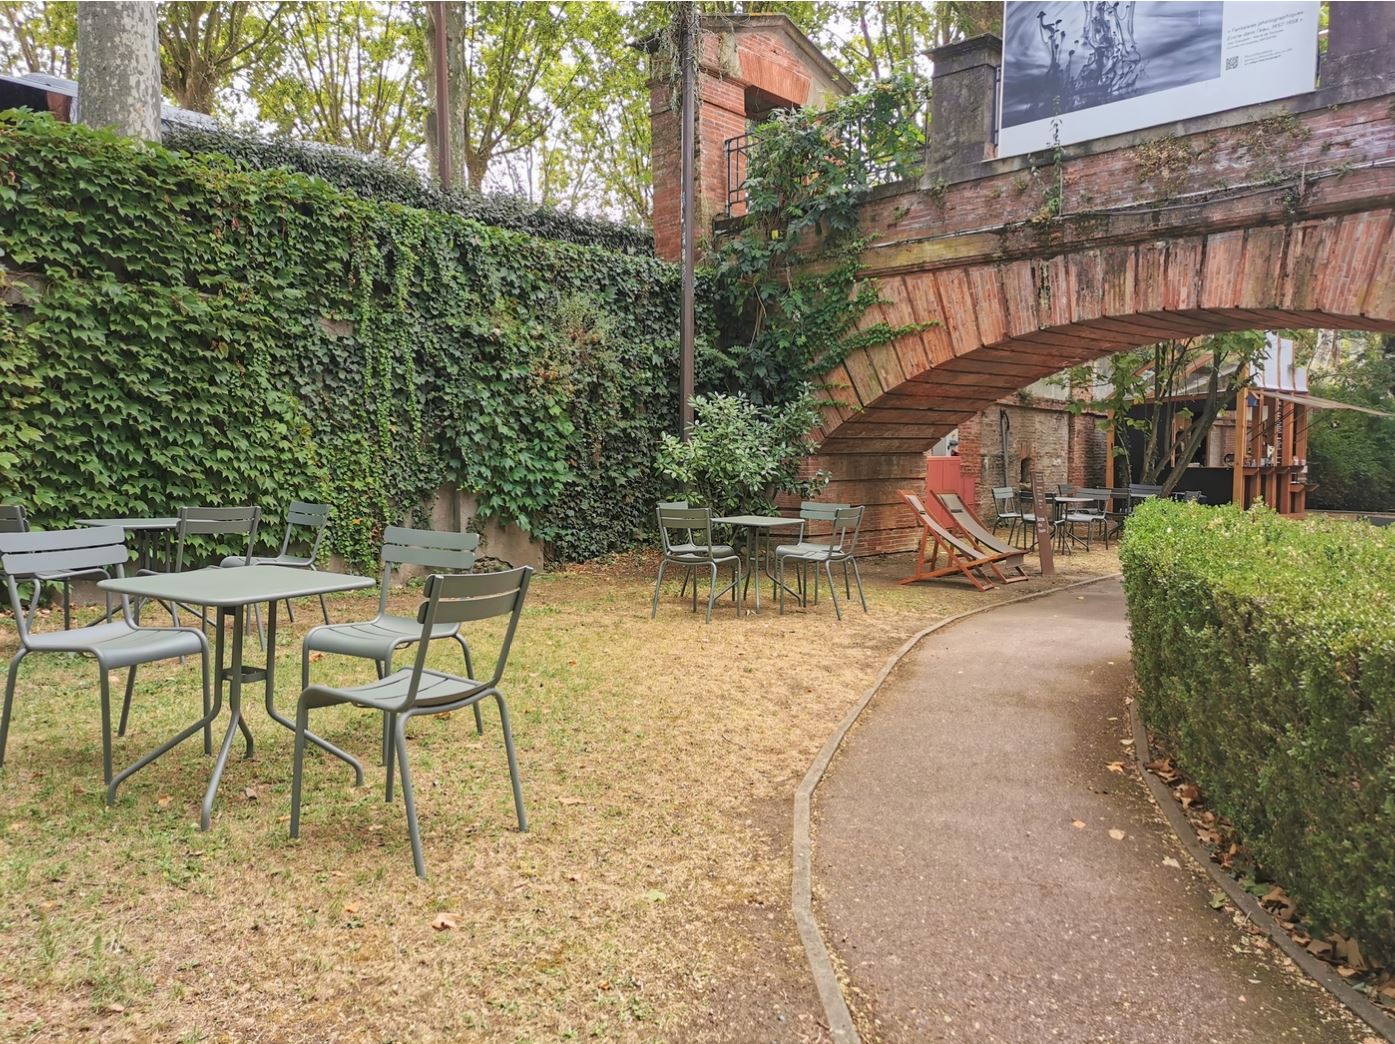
{"x":981,"y":873}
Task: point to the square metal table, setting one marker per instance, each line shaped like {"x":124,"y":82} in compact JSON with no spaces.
{"x":754,"y":526}
{"x":1067,"y":538}
{"x":230,"y":591}
{"x":149,"y":532}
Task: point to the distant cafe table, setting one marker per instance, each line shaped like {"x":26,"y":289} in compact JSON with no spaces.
{"x":1064,"y":506}
{"x":755,"y":525}
{"x":230,"y":590}
{"x":149,"y":533}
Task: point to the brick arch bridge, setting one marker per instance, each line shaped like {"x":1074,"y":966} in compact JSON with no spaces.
{"x":1272,"y":216}
{"x":1275,"y":215}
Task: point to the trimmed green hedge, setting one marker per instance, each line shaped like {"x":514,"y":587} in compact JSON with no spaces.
{"x":374,"y":177}
{"x":177,"y":330}
{"x":1265,"y":654}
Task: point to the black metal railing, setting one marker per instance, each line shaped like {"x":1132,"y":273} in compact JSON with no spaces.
{"x":880,"y":165}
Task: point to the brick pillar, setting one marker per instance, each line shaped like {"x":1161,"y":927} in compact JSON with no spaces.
{"x":962,"y":106}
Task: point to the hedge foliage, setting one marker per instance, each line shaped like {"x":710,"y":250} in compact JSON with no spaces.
{"x":180,"y":330}
{"x":374,"y":177}
{"x":1265,"y":653}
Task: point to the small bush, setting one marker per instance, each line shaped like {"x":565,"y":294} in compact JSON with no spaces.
{"x":1265,"y":653}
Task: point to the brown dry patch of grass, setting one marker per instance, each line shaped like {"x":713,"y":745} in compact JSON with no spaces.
{"x":649,"y":900}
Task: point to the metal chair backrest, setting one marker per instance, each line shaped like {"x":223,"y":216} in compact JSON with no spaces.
{"x":1138,"y":491}
{"x":1099,"y":495}
{"x":1005,"y":497}
{"x":467,"y":598}
{"x":847,"y":525}
{"x":300,"y":515}
{"x":1065,"y":489}
{"x":429,"y":548}
{"x":207,"y":521}
{"x":672,"y":504}
{"x":27,"y":555}
{"x":818,"y":511}
{"x":696,"y":522}
{"x":13,"y":519}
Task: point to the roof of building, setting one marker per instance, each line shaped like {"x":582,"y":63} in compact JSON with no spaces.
{"x":43,"y":82}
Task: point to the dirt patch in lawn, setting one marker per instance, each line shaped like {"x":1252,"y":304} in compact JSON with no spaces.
{"x":649,"y":899}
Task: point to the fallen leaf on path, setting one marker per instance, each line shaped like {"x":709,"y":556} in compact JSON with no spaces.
{"x":1169,"y":861}
{"x":1117,"y":834}
{"x":1116,"y":766}
{"x":1079,"y":824}
{"x":1217,"y":900}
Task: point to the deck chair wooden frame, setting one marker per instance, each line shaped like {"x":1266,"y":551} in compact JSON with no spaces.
{"x":960,"y":557}
{"x":971,"y":527}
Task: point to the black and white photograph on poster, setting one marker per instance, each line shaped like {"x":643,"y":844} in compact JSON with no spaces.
{"x":1073,"y":71}
{"x":1065,"y":56}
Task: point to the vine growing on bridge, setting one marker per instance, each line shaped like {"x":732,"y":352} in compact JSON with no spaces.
{"x":791,"y":301}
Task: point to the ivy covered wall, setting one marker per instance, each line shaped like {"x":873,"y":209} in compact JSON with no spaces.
{"x":178,"y":330}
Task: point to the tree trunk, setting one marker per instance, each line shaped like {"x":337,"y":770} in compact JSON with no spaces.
{"x":119,"y":67}
{"x":454,"y":15}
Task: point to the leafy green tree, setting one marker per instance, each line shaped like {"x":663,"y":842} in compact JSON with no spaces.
{"x":1143,"y":387}
{"x":204,"y":44}
{"x":348,"y":75}
{"x":1352,"y":454}
{"x":38,"y":37}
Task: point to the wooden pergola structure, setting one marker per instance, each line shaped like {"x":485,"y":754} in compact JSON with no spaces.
{"x":1271,"y":435}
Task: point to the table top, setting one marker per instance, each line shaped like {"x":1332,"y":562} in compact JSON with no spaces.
{"x":1076,"y":500}
{"x":758,"y":521}
{"x":235,"y":585}
{"x":130,"y":523}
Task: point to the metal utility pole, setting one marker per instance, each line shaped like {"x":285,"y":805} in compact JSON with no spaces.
{"x":443,"y":115}
{"x":687,"y":57}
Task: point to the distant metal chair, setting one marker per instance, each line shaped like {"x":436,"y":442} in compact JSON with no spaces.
{"x":299,"y":515}
{"x":686,"y":545}
{"x":1007,"y":508}
{"x":819,"y":513}
{"x":696,"y":523}
{"x":415,"y":691}
{"x":840,"y":549}
{"x":118,"y":643}
{"x":206,"y":521}
{"x":1096,"y":514}
{"x":379,"y":639}
{"x":14,"y":520}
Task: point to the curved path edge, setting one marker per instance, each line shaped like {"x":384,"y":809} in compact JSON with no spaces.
{"x":825,"y":976}
{"x":1363,"y":1008}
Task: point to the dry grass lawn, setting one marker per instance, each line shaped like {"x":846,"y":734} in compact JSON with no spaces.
{"x":648,"y":901}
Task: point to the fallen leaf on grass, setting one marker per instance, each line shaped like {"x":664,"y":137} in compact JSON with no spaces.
{"x":164,"y":800}
{"x":250,"y":793}
{"x":316,"y":657}
{"x":114,"y":1009}
{"x":570,"y":801}
{"x":1276,"y":900}
{"x":1217,"y":901}
{"x":351,"y":908}
{"x":444,"y":923}
{"x":1189,"y":794}
{"x":1116,"y":834}
{"x":654,"y":895}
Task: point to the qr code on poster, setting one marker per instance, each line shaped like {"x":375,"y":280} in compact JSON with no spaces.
{"x":1233,"y":62}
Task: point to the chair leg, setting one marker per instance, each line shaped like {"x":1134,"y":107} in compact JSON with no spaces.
{"x":470,"y":673}
{"x":409,"y":799}
{"x":67,"y":606}
{"x":302,"y":722}
{"x":290,"y":612}
{"x":711,"y":593}
{"x":780,"y":581}
{"x":860,"y":593}
{"x":9,"y":701}
{"x":388,"y":763}
{"x":106,"y":724}
{"x":847,"y":588}
{"x":513,"y":763}
{"x":126,"y":703}
{"x":658,"y":586}
{"x":832,"y":589}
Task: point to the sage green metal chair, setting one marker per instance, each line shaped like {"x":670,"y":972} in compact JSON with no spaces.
{"x":697,"y":551}
{"x":14,"y":520}
{"x":839,"y":550}
{"x":114,"y":644}
{"x":820,"y":514}
{"x":686,"y":545}
{"x":415,"y":691}
{"x":312,"y":518}
{"x":379,"y":639}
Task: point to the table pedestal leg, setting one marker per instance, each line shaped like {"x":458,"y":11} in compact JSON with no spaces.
{"x":752,"y":538}
{"x":235,"y":722}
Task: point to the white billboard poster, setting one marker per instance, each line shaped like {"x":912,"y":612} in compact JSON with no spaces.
{"x":1079,"y":70}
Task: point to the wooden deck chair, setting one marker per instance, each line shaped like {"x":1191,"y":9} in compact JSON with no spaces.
{"x":960,"y":556}
{"x":969,"y":525}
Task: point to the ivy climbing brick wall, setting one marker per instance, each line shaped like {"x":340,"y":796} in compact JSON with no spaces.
{"x":178,"y":330}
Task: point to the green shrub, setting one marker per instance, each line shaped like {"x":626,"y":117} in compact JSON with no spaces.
{"x":741,"y":455}
{"x":1265,"y":654}
{"x":179,"y":331}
